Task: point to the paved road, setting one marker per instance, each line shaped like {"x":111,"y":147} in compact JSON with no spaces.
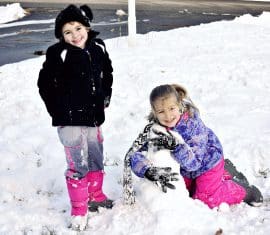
{"x":21,"y":42}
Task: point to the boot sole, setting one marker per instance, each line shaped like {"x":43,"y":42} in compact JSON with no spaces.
{"x":93,"y":206}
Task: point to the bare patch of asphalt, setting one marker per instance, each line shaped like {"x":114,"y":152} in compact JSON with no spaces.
{"x":30,"y":40}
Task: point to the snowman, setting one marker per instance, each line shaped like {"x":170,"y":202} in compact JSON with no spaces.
{"x":162,"y":194}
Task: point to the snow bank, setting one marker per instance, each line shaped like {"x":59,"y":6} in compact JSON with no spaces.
{"x":11,"y":12}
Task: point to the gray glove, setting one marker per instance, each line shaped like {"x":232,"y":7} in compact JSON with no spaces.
{"x":162,"y":176}
{"x":164,"y":141}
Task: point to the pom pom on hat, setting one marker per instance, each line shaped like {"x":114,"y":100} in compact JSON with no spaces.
{"x":87,"y":12}
{"x":71,"y":13}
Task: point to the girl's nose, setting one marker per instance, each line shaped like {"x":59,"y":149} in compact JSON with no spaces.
{"x":74,"y":35}
{"x":167,"y":115}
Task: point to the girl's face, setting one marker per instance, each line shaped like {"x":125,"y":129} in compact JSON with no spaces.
{"x":75,"y":34}
{"x":167,"y":111}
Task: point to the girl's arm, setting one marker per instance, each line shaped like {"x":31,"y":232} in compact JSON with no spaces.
{"x":47,"y":82}
{"x":135,"y":157}
{"x":191,"y":153}
{"x":139,"y":164}
{"x":107,"y":79}
{"x":107,"y":76}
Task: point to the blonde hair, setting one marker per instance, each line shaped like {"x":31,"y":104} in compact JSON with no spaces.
{"x":163,"y":91}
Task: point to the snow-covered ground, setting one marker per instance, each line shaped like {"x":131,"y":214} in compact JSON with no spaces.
{"x":225,"y":67}
{"x":11,"y":12}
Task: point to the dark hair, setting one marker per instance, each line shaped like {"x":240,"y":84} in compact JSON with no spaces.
{"x":163,"y":91}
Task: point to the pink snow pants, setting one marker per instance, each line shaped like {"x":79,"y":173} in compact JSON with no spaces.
{"x":215,"y":187}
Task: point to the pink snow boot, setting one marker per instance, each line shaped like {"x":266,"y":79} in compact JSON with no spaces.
{"x":96,"y":196}
{"x":78,"y":194}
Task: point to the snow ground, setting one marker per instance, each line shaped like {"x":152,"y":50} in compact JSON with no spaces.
{"x":225,"y":67}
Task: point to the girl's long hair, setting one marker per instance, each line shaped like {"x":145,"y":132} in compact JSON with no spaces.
{"x":163,"y":91}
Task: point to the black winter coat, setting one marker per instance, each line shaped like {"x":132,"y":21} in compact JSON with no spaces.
{"x":74,"y":83}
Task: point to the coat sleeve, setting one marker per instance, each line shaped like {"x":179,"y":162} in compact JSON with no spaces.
{"x":107,"y":77}
{"x":47,"y":82}
{"x":107,"y":80}
{"x":139,"y":163}
{"x":191,"y":154}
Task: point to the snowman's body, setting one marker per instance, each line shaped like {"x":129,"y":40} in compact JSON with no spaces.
{"x":151,"y":196}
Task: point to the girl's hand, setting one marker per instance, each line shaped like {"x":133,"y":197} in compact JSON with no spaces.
{"x":165,"y":139}
{"x":106,"y":102}
{"x":162,"y":176}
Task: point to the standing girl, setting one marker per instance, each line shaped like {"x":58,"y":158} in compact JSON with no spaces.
{"x":75,"y":84}
{"x":175,"y":125}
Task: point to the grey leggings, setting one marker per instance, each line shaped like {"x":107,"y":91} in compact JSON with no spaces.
{"x":83,"y":148}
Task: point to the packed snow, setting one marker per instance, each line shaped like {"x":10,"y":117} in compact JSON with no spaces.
{"x":11,"y":12}
{"x":224,"y":66}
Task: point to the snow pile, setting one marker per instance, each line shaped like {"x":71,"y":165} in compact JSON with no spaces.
{"x":11,"y":12}
{"x":224,"y":66}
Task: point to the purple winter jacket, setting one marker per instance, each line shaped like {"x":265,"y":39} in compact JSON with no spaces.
{"x":201,"y":151}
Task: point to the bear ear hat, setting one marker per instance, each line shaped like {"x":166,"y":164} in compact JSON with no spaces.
{"x":86,"y":11}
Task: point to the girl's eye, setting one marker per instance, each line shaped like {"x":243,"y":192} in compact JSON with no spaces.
{"x":79,"y":28}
